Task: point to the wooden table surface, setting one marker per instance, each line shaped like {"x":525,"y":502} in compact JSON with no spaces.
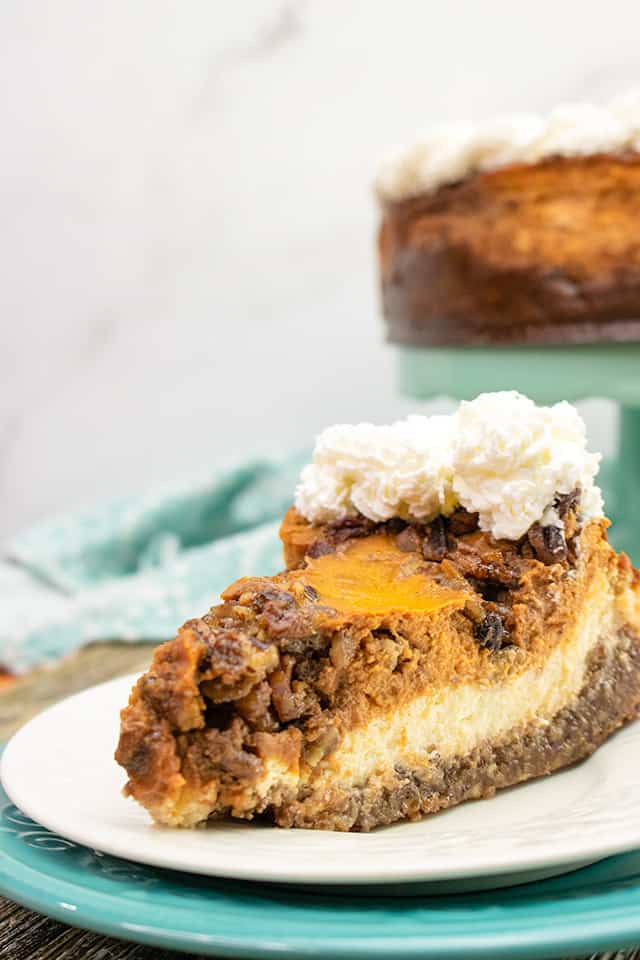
{"x":25,"y":935}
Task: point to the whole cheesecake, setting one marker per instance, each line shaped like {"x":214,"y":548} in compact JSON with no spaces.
{"x":526,"y":231}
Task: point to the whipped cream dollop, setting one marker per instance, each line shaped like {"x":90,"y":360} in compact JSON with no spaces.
{"x":511,"y":457}
{"x":499,"y":455}
{"x":402,"y":470}
{"x":450,"y":152}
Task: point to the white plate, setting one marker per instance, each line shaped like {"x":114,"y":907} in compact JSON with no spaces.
{"x":59,"y":769}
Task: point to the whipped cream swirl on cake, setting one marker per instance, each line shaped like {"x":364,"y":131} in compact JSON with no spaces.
{"x":402,"y":470}
{"x":511,"y":458}
{"x":449,"y":152}
{"x":500,"y":456}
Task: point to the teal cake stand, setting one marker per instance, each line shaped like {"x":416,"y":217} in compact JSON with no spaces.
{"x":549,"y":374}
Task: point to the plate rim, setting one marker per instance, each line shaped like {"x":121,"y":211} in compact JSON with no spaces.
{"x":534,"y":860}
{"x":616,"y":925}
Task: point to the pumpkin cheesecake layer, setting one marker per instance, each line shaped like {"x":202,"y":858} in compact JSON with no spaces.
{"x":394,"y":669}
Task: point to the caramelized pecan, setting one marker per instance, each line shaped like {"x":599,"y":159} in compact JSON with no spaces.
{"x":409,"y":540}
{"x":434,"y":543}
{"x":462,"y":522}
{"x":548,"y":543}
{"x":491,"y":632}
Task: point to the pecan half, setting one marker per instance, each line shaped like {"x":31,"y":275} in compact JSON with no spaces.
{"x":491,"y":632}
{"x":462,"y":522}
{"x":548,"y":543}
{"x":434,"y":543}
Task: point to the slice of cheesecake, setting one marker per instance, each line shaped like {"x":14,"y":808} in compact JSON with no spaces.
{"x":399,"y":665}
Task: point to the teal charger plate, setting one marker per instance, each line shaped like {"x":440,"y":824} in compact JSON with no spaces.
{"x":595,"y":908}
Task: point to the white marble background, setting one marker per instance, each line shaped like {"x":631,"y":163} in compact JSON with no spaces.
{"x":186,"y":230}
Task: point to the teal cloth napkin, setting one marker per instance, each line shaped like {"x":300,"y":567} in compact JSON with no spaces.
{"x":137,"y":567}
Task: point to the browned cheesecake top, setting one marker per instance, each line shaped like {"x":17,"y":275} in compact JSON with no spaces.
{"x":446,"y":565}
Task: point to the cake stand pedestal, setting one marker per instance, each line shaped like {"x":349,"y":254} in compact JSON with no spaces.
{"x":549,"y":374}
